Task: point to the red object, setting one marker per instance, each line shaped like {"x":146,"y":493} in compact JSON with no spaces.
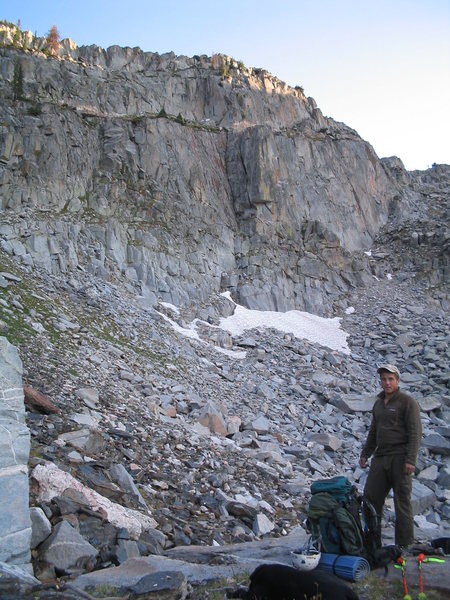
{"x":419,"y":562}
{"x":402,"y":562}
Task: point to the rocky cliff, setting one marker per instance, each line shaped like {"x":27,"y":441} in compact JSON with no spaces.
{"x":186,"y":176}
{"x":134,"y":188}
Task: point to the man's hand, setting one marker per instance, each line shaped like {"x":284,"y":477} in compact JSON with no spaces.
{"x":409,"y":469}
{"x":362,"y":462}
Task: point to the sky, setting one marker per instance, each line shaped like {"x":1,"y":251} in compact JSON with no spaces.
{"x":382,"y":67}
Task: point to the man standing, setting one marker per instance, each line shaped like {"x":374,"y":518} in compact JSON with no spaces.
{"x":393,"y":440}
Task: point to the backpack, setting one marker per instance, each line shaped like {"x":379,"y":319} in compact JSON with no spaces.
{"x":334,"y":514}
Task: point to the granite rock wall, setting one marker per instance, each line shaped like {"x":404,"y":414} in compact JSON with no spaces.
{"x":15,"y":523}
{"x":184,"y":181}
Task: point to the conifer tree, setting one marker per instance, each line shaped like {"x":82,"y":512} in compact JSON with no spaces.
{"x":53,"y":40}
{"x":16,"y":37}
{"x":17,"y":81}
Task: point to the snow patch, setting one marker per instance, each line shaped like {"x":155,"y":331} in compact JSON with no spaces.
{"x":171,"y":307}
{"x":187,"y":331}
{"x":303,"y":325}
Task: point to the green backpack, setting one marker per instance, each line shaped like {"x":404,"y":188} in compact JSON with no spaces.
{"x":335,"y":517}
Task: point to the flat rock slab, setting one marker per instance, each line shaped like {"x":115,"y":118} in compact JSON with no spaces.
{"x":199,"y":564}
{"x":15,"y":581}
{"x":429,"y":404}
{"x":435,"y":577}
{"x":353,"y":403}
{"x":164,"y":585}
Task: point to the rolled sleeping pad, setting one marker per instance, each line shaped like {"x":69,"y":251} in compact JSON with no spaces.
{"x":351,"y":568}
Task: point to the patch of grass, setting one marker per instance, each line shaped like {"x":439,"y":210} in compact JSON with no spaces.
{"x":34,"y":110}
{"x":103,"y":591}
{"x":18,"y":331}
{"x":216,"y":590}
{"x":16,"y":318}
{"x":376,"y":587}
{"x":37,"y":452}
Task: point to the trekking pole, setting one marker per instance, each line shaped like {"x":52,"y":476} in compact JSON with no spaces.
{"x":432,"y":559}
{"x":401,"y":562}
{"x":420,"y":559}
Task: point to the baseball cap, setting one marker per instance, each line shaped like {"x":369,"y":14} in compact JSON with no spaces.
{"x":390,"y":368}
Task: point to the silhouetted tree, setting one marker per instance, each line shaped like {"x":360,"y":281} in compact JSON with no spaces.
{"x":53,"y":40}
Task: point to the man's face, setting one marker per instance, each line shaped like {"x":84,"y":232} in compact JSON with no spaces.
{"x":389,"y":382}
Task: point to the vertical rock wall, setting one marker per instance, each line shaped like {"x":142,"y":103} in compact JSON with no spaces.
{"x":15,"y":523}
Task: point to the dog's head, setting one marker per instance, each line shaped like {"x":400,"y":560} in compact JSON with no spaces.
{"x":382,"y":557}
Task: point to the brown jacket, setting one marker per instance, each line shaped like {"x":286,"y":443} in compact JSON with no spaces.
{"x":395,"y":428}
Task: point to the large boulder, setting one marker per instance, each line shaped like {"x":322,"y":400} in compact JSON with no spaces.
{"x":65,"y":548}
{"x":15,"y":523}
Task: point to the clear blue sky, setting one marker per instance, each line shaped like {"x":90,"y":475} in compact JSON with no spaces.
{"x":382,"y":67}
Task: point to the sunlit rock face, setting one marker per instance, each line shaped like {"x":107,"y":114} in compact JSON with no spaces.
{"x":187,"y":176}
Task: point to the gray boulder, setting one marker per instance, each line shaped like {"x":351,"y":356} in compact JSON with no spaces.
{"x":421,"y":497}
{"x":40,"y":526}
{"x":437,"y":443}
{"x":66,"y":548}
{"x":14,"y":582}
{"x":121,"y":476}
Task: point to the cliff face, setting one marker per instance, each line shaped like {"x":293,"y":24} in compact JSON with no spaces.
{"x":186,"y":176}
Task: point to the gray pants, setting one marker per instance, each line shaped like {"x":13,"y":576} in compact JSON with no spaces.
{"x":386,"y":473}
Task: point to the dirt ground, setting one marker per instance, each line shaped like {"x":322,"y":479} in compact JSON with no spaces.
{"x":436,"y":582}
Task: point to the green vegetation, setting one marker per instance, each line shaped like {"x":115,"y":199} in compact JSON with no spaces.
{"x":34,"y":110}
{"x":7,"y":23}
{"x":223,"y":69}
{"x":17,"y":81}
{"x":216,"y":590}
{"x":376,"y":587}
{"x":103,"y":591}
{"x":136,"y":118}
{"x":16,"y":38}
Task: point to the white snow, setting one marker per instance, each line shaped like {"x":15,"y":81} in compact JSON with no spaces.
{"x":232,"y":353}
{"x":369,"y":252}
{"x":302,"y":325}
{"x":172,"y":307}
{"x":349,"y":310}
{"x":187,"y":331}
{"x":389,"y":276}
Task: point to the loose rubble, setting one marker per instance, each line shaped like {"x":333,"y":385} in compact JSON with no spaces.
{"x":202,"y":447}
{"x":167,"y":449}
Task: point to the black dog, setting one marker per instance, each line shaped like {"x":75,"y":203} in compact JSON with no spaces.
{"x":280,"y":582}
{"x":384,"y":556}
